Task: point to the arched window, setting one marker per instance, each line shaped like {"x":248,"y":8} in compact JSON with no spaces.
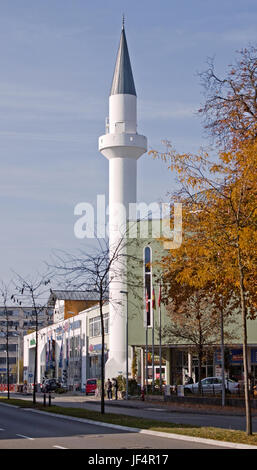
{"x":148,"y":285}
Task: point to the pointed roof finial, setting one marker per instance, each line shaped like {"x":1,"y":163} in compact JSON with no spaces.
{"x":123,"y":81}
{"x":123,"y":21}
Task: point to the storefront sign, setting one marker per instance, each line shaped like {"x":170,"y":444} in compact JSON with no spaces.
{"x":156,"y":360}
{"x":96,"y":348}
{"x":75,"y":324}
{"x":235,"y":356}
{"x":32,"y":342}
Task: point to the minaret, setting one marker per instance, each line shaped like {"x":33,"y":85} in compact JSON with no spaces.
{"x":122,"y":146}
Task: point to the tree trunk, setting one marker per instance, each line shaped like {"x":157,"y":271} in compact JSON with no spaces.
{"x":102,"y":356}
{"x":245,"y":358}
{"x":222,"y":357}
{"x":36,"y":353}
{"x":35,"y":374}
{"x":7,"y":357}
{"x":200,"y":353}
{"x":200,"y":358}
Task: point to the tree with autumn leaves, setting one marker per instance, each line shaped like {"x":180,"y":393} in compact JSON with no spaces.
{"x":219,"y":198}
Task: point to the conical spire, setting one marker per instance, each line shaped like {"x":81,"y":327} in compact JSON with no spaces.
{"x":123,"y":81}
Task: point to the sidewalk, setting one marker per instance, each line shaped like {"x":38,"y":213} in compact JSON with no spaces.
{"x":137,"y":403}
{"x":175,"y":407}
{"x":153,"y":402}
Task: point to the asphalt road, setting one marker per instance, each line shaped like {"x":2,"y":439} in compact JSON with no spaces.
{"x":24,"y":429}
{"x":162,"y":413}
{"x":195,"y":419}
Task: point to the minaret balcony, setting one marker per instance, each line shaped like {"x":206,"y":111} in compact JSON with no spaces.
{"x":122,"y":145}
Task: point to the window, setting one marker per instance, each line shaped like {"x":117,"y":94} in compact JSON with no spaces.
{"x":3,"y":360}
{"x":207,"y":381}
{"x":95,"y":325}
{"x":106,"y":325}
{"x":11,"y":347}
{"x":148,"y":284}
{"x":119,"y":127}
{"x":13,"y":323}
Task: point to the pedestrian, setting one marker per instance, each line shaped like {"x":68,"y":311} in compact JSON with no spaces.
{"x":188,"y":380}
{"x":109,"y":389}
{"x":115,"y":387}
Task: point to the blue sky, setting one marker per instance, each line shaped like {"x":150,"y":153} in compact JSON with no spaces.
{"x":57,"y":61}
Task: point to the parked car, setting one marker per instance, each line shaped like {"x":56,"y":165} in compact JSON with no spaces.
{"x":91,"y":386}
{"x":50,"y":385}
{"x":64,"y":385}
{"x":213,"y":385}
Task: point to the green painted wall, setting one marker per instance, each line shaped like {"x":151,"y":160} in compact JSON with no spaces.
{"x":136,"y":296}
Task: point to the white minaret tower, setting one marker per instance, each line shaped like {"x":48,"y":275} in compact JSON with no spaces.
{"x":122,"y":145}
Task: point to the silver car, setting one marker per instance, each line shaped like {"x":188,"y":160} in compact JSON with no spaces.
{"x":213,"y":385}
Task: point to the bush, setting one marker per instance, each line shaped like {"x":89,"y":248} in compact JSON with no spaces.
{"x":121,"y":383}
{"x":133,"y":388}
{"x":61,"y":390}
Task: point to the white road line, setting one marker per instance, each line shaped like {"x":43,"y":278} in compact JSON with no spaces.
{"x":25,"y":437}
{"x":60,"y":447}
{"x":154,"y":409}
{"x":1,"y":429}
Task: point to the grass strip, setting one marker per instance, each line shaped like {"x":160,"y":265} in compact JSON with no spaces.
{"x":218,"y":434}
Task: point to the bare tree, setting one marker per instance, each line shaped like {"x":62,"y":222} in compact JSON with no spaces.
{"x":4,"y":291}
{"x":93,"y":272}
{"x":195,"y":320}
{"x":230,"y":107}
{"x":34,"y":292}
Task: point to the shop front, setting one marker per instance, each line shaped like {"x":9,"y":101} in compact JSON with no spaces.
{"x":254,"y":364}
{"x":95,"y":359}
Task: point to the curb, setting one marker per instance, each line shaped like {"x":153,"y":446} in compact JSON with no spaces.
{"x":10,"y":406}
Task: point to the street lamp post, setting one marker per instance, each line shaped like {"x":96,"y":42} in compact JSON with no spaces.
{"x":18,"y":361}
{"x":7,"y":373}
{"x":126,"y":293}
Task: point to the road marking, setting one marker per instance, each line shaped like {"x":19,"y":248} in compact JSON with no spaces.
{"x":25,"y":437}
{"x":1,"y":429}
{"x":154,"y":409}
{"x":60,"y":447}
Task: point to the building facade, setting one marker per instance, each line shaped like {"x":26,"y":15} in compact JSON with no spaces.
{"x":178,"y":358}
{"x":21,"y":320}
{"x":68,"y":350}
